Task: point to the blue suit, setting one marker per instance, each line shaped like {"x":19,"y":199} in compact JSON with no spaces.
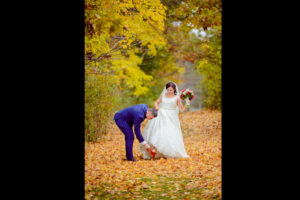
{"x":125,"y":119}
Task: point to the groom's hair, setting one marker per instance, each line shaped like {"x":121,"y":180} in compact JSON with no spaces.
{"x":153,"y":111}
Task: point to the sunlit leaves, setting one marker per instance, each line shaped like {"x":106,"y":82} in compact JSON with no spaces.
{"x":115,"y":32}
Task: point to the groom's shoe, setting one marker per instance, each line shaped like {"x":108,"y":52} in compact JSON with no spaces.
{"x":133,"y":160}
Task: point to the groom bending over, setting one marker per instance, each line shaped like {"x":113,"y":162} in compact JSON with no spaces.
{"x":134,"y":115}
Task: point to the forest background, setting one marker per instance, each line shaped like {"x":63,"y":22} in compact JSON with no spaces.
{"x":134,"y":47}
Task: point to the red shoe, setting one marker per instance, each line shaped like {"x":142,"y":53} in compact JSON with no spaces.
{"x":153,"y":154}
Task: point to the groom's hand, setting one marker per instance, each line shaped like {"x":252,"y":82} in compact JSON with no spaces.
{"x":147,"y":146}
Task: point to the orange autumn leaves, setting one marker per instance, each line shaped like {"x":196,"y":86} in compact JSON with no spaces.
{"x":106,"y":168}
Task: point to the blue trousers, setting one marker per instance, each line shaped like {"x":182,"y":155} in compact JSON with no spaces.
{"x":129,"y":137}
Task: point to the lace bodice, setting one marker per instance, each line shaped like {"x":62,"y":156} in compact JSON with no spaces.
{"x":168,"y":103}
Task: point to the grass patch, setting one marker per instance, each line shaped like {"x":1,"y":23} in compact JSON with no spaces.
{"x":152,"y":188}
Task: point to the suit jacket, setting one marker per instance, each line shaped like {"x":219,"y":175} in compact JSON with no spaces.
{"x":134,"y":115}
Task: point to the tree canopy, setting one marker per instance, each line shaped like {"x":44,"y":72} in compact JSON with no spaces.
{"x":132,"y":48}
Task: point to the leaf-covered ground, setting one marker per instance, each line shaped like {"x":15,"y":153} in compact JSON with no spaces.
{"x":109,"y":176}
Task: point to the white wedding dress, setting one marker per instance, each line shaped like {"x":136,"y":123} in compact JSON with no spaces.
{"x":164,"y":132}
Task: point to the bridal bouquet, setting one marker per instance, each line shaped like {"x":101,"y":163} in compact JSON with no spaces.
{"x":185,"y":95}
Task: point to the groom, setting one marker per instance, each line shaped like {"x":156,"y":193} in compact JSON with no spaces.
{"x":134,"y":115}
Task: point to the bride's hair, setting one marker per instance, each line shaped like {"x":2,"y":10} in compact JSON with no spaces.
{"x":171,"y":84}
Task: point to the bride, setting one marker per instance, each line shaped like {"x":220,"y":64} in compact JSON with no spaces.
{"x":163,"y":133}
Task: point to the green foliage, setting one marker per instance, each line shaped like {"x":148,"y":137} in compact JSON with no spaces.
{"x":205,"y":51}
{"x":100,"y":102}
{"x":210,"y":67}
{"x":131,"y":48}
{"x":162,"y":68}
{"x":115,"y":32}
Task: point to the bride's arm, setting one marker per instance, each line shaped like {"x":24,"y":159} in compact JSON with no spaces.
{"x":157,"y":102}
{"x":180,"y":106}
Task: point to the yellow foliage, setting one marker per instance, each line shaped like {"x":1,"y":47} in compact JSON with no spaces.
{"x":113,"y":30}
